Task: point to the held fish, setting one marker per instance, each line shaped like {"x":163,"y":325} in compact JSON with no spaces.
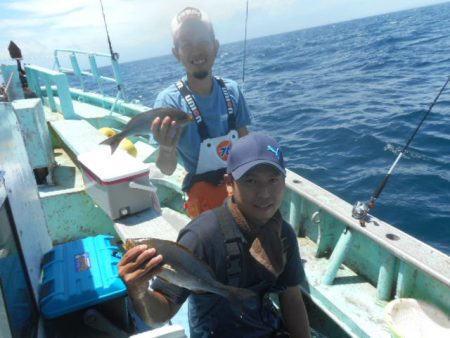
{"x":140,"y":124}
{"x":180,"y":267}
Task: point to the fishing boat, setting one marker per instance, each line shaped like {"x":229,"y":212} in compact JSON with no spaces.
{"x":60,"y":189}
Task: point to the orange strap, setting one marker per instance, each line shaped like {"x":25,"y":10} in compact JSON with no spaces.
{"x":204,"y":196}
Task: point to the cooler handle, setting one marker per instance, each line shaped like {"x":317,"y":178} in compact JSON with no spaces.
{"x":135,"y":185}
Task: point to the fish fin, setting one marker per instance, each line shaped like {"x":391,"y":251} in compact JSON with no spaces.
{"x":113,"y":141}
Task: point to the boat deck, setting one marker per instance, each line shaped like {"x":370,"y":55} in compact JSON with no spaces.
{"x":350,"y":300}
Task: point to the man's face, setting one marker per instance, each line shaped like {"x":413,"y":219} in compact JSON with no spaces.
{"x":259,"y":193}
{"x":196,"y":49}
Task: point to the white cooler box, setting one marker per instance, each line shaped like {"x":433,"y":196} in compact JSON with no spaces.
{"x":107,"y":180}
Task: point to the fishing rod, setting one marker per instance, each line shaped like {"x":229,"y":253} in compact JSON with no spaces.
{"x":114,"y":61}
{"x":245,"y":47}
{"x":360,"y":209}
{"x":114,"y":56}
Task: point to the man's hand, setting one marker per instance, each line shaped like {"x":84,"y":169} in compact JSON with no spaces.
{"x":166,"y":132}
{"x":137,"y":267}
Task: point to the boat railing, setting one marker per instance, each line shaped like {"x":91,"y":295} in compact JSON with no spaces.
{"x":397,"y":264}
{"x":51,"y":79}
{"x":93,"y":73}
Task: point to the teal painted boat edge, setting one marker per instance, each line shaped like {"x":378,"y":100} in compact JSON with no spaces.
{"x":416,"y":270}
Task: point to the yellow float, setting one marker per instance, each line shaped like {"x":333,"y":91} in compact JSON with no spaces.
{"x":108,"y":132}
{"x":128,"y":146}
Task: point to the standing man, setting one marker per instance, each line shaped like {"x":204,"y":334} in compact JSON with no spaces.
{"x":247,"y":244}
{"x":219,"y":109}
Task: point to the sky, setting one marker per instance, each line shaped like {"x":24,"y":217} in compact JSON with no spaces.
{"x":140,"y":29}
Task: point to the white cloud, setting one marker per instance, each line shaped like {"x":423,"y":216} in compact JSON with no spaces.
{"x":45,"y":8}
{"x":140,"y":28}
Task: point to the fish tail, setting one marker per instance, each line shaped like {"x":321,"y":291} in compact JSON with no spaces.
{"x":240,"y":298}
{"x":113,"y":141}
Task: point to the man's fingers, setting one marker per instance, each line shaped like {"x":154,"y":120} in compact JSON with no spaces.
{"x":165,"y":131}
{"x":139,"y":259}
{"x":139,"y":272}
{"x":156,"y":124}
{"x":132,"y":254}
{"x":165,"y":126}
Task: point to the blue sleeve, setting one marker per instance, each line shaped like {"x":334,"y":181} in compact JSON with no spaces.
{"x":168,"y":97}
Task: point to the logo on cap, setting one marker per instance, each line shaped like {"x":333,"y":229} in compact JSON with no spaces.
{"x":223,"y":149}
{"x":276,"y":151}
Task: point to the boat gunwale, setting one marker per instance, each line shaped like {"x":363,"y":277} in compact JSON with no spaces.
{"x":407,"y":249}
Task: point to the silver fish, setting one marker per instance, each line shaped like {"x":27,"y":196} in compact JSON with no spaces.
{"x":140,"y":124}
{"x":180,"y":267}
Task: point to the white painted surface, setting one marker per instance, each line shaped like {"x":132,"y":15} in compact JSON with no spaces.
{"x":169,"y":331}
{"x":23,"y":195}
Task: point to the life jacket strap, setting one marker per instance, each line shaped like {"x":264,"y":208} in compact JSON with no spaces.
{"x":230,"y":110}
{"x":233,"y":244}
{"x":186,"y":93}
{"x":188,"y":97}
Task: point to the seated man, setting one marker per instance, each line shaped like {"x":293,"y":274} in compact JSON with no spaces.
{"x":247,"y":244}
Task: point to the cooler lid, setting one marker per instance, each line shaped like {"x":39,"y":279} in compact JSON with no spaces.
{"x":110,"y":168}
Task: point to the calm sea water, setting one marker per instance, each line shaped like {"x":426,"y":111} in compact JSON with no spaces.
{"x":343,"y":99}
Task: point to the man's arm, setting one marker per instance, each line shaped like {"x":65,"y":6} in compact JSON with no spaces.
{"x":167,"y":134}
{"x":167,"y":159}
{"x":136,"y":268}
{"x":294,"y":312}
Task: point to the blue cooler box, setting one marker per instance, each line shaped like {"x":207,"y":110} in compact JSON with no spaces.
{"x":79,"y":274}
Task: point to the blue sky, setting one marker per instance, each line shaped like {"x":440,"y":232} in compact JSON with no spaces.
{"x":141,"y":28}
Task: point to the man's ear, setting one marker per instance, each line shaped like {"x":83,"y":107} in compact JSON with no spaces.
{"x":175,"y":53}
{"x":216,"y":47}
{"x":228,"y":180}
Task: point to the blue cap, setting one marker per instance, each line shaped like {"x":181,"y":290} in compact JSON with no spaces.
{"x":252,"y":150}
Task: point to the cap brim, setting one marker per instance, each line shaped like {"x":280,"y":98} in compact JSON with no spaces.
{"x":243,"y":169}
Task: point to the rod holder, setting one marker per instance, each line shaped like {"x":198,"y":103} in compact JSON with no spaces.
{"x":337,"y":257}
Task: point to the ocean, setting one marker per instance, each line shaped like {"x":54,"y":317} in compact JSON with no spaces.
{"x":343,"y":100}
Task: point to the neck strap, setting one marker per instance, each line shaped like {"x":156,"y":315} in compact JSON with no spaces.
{"x":189,"y":98}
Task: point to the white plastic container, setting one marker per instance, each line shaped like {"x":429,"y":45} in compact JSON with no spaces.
{"x":168,"y":331}
{"x":107,"y":180}
{"x":413,"y":318}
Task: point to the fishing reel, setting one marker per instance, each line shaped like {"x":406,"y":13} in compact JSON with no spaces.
{"x":361,"y":209}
